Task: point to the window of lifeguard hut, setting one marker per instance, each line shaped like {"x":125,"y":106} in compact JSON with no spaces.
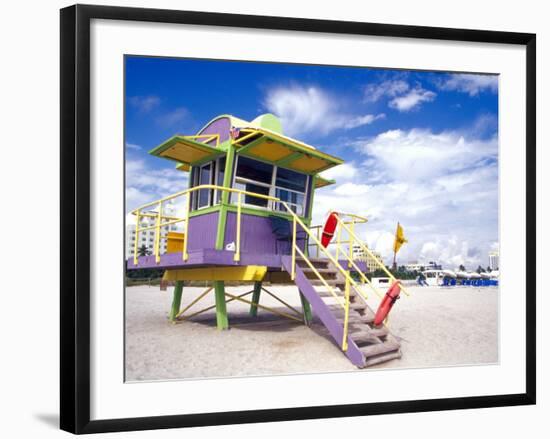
{"x":266,"y":179}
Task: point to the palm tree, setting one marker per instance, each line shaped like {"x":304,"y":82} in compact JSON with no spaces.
{"x":143,"y":251}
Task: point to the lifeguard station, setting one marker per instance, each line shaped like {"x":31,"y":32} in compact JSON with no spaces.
{"x":246,"y":216}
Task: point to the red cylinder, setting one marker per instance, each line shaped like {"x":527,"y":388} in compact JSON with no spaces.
{"x":389,"y":299}
{"x":329,"y":228}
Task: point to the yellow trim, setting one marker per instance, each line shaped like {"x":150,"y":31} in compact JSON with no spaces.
{"x":208,"y":308}
{"x":237,"y":256}
{"x":174,"y":242}
{"x":157,"y":234}
{"x":293,"y":274}
{"x":241,"y":273}
{"x":203,"y":294}
{"x":283,"y":302}
{"x":138,"y":218}
{"x":185,"y":167}
{"x":184,"y":253}
{"x":270,"y":150}
{"x":309,"y":164}
{"x":321,"y":278}
{"x":346,"y":317}
{"x":274,"y":311}
{"x":320,"y":182}
{"x":209,"y":138}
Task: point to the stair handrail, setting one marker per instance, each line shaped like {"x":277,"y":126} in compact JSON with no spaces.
{"x":355,"y":219}
{"x":376,"y":260}
{"x":349,"y":280}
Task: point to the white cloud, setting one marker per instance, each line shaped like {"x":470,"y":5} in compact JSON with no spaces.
{"x":469,"y":83}
{"x":133,"y":146}
{"x":389,"y":88}
{"x":144,"y":103}
{"x":420,"y":154}
{"x":412,"y":99}
{"x":345,"y":171}
{"x":312,"y":110}
{"x":442,"y":187}
{"x":358,"y":121}
{"x":145,"y":184}
{"x":401,"y":95}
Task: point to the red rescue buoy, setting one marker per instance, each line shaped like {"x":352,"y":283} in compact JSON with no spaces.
{"x":329,"y":228}
{"x":387,"y":302}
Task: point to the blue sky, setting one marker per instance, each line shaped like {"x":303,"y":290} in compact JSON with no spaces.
{"x":420,"y":147}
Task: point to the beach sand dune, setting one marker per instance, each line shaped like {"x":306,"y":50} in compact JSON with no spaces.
{"x":436,"y":327}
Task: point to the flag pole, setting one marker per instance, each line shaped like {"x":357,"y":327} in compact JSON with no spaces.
{"x":394,"y":266}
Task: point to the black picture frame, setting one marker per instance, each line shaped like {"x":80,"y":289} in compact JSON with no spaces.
{"x":75,"y":217}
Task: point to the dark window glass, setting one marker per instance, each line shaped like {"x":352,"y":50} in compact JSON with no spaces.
{"x":291,"y":180}
{"x":254,"y":170}
{"x":221,"y":171}
{"x":219,"y":179}
{"x":205,"y":178}
{"x":249,"y":199}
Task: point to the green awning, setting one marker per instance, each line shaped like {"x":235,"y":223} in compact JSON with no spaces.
{"x":185,"y":151}
{"x":283,"y":151}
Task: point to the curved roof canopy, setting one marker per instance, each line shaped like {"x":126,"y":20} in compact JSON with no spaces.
{"x":261,"y":139}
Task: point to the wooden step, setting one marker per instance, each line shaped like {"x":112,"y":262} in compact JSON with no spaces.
{"x":379,"y":348}
{"x":327,"y":293}
{"x":326,"y":273}
{"x":356,"y":318}
{"x":331,"y":282}
{"x":320,"y":270}
{"x":358,"y":306}
{"x":368,"y":334}
{"x":316,"y":262}
{"x":382,"y":358}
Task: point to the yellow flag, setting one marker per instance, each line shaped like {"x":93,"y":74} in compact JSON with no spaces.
{"x":399,"y":238}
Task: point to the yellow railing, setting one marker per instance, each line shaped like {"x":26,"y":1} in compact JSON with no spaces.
{"x":353,"y":239}
{"x":208,"y":137}
{"x":158,"y":205}
{"x":349,"y":281}
{"x":346,"y":224}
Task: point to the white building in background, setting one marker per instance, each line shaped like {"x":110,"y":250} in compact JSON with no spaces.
{"x":147,"y":237}
{"x":360,"y":255}
{"x":494,"y":260}
{"x":416,"y":266}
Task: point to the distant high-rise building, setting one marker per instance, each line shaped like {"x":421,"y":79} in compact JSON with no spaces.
{"x":147,"y":237}
{"x":494,"y":260}
{"x":372,"y":263}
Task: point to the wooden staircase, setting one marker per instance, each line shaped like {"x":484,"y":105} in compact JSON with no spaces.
{"x":367,"y":345}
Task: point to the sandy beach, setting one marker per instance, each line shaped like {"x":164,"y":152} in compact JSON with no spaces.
{"x":436,"y":327}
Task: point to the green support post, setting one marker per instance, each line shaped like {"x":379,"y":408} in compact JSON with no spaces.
{"x":176,"y":301}
{"x":225,"y":198}
{"x":306,"y":309}
{"x":255,"y":299}
{"x":221,"y":310}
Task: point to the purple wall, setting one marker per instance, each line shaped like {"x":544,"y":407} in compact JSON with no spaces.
{"x":256,"y":235}
{"x":219,"y":126}
{"x":202,"y":231}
